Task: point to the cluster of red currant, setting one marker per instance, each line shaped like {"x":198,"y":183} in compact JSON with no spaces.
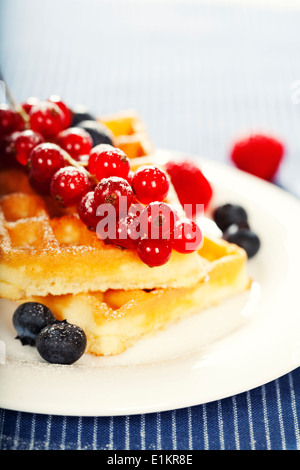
{"x":141,"y":219}
{"x":62,"y":162}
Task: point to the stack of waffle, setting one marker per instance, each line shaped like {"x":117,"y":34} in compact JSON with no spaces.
{"x":48,"y":255}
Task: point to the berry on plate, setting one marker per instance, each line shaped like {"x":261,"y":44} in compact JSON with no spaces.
{"x":243,"y":237}
{"x":259,"y":155}
{"x":29,"y":319}
{"x":228,"y":214}
{"x":193,"y":189}
{"x":61,"y":343}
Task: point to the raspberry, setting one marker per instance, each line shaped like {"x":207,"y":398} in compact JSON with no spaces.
{"x":190,"y":184}
{"x":259,"y":155}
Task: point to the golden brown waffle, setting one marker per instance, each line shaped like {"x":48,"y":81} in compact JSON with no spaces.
{"x":45,"y":250}
{"x":47,"y":254}
{"x":130,"y":133}
{"x":115,"y":320}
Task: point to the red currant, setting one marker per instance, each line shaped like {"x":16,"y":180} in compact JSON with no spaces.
{"x":10,"y":120}
{"x":69,"y":185}
{"x":87,"y":210}
{"x":135,"y":209}
{"x":75,"y":141}
{"x":158,"y":220}
{"x":29,"y":103}
{"x":106,"y":161}
{"x":8,"y":150}
{"x":41,"y":187}
{"x":150,"y":184}
{"x":115,"y":191}
{"x":64,"y":108}
{"x":187,"y":236}
{"x":154,"y":252}
{"x":127,"y":233}
{"x":47,"y":119}
{"x":129,"y":177}
{"x":45,"y":160}
{"x":24,"y":143}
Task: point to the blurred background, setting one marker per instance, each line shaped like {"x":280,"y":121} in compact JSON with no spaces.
{"x":199,"y":73}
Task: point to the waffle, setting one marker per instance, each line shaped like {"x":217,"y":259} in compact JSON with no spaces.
{"x":130,"y":133}
{"x":115,"y":320}
{"x":45,"y":250}
{"x":47,"y":254}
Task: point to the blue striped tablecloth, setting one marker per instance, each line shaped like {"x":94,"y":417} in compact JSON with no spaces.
{"x":199,"y":73}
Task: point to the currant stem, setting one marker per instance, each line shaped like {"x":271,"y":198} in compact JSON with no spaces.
{"x":73,"y":162}
{"x":19,"y":109}
{"x":14,"y":104}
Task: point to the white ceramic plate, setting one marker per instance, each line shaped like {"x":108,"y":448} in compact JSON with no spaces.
{"x":244,"y":343}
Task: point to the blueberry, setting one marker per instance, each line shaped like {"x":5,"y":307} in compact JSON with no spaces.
{"x":243,"y":237}
{"x":81,"y":113}
{"x":29,"y":319}
{"x":99,"y":132}
{"x":61,"y":343}
{"x":229,"y":214}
